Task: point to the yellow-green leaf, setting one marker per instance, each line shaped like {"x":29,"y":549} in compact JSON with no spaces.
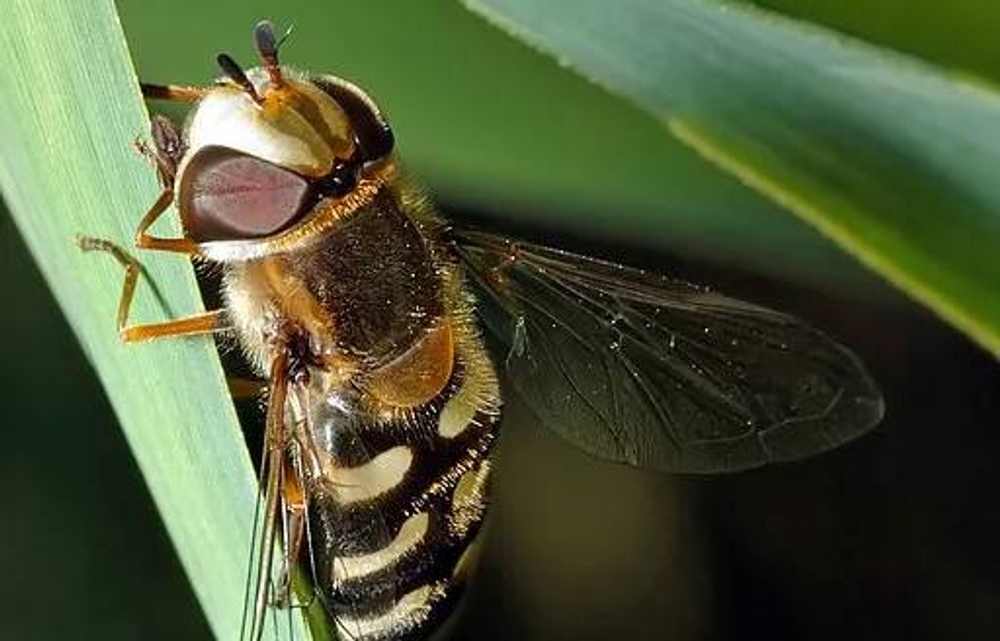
{"x":894,"y":159}
{"x":71,"y":110}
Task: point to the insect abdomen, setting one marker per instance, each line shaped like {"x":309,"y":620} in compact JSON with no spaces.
{"x":394,"y":519}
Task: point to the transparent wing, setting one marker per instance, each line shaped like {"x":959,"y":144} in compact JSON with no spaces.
{"x":260,"y":589}
{"x":658,"y":373}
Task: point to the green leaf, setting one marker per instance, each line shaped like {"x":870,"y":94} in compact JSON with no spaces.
{"x":893,"y":159}
{"x":71,"y":110}
{"x":923,"y":28}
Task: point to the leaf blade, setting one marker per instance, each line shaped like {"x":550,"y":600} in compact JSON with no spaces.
{"x":71,"y":111}
{"x":893,"y":154}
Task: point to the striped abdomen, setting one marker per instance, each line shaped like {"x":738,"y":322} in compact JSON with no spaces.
{"x":395,"y":513}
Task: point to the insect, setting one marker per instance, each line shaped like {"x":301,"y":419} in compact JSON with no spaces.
{"x":361,"y":305}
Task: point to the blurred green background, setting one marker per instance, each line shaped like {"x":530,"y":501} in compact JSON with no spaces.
{"x":891,"y":537}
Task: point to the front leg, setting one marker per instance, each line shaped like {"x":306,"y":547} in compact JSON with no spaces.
{"x":203,"y":323}
{"x":165,"y":155}
{"x":173,"y":93}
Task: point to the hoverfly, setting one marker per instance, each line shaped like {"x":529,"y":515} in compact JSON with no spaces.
{"x":360,"y":305}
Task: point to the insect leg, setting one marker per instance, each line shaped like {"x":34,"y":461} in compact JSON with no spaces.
{"x":204,"y":323}
{"x":144,"y":241}
{"x":167,"y":149}
{"x":173,"y":93}
{"x":293,"y":501}
{"x":245,"y":388}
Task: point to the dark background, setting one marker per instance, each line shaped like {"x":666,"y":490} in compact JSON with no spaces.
{"x":891,"y":537}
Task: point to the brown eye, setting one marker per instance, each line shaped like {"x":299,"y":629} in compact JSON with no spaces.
{"x":227,"y":195}
{"x":374,"y":135}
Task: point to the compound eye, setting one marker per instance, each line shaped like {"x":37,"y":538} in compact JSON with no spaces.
{"x":373,"y":132}
{"x":225,"y":194}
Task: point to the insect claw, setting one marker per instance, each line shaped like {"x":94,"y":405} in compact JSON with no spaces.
{"x":144,"y":149}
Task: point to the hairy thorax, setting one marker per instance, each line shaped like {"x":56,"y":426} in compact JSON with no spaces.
{"x":366,"y":299}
